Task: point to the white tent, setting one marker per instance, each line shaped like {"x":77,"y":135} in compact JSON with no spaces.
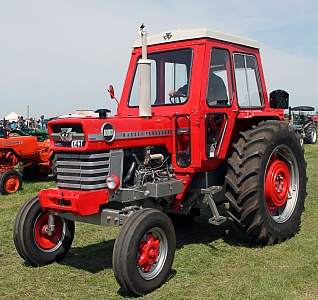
{"x":12,"y":117}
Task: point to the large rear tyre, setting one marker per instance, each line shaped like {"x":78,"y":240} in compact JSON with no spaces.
{"x":311,"y":134}
{"x":10,"y":182}
{"x":32,"y":240}
{"x":144,"y":251}
{"x":28,"y":173}
{"x":266,"y":183}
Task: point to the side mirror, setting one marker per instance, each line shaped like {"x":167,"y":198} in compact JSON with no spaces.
{"x":279,"y":99}
{"x":112,"y":93}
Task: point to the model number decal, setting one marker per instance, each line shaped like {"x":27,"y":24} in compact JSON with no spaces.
{"x":12,"y":143}
{"x":77,"y":144}
{"x":148,"y":133}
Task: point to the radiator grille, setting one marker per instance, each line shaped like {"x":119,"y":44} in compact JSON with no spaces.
{"x":82,"y":171}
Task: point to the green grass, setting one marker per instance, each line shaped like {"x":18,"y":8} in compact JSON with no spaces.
{"x":210,"y":262}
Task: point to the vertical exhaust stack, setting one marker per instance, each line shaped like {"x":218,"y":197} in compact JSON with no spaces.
{"x":144,"y":67}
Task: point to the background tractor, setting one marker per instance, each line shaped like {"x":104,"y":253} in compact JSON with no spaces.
{"x":22,"y":157}
{"x":194,"y":130}
{"x":40,"y":134}
{"x":303,"y":123}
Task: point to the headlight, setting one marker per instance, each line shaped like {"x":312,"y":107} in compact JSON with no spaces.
{"x":112,"y":182}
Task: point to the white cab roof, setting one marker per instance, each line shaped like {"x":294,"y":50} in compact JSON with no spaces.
{"x":191,"y":34}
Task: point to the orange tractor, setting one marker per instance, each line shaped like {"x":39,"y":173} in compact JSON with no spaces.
{"x":22,"y":157}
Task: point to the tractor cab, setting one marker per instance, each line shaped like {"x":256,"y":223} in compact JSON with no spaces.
{"x":206,"y":83}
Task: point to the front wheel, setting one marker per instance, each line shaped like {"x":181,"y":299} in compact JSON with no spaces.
{"x":311,"y":134}
{"x":33,"y":241}
{"x":10,"y":182}
{"x":266,"y":183}
{"x":144,"y":251}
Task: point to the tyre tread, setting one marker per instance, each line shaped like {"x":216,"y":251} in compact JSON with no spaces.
{"x":245,"y":174}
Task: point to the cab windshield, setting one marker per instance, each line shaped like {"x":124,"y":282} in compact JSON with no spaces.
{"x":170,"y":71}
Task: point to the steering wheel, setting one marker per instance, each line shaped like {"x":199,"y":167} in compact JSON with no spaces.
{"x":176,"y":97}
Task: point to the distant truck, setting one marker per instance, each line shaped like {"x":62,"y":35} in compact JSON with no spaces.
{"x":194,"y":129}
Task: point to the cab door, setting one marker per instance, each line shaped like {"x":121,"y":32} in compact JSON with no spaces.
{"x":219,"y":98}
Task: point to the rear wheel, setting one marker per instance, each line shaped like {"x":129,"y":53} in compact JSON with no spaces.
{"x":144,"y":251}
{"x":266,"y":183}
{"x":311,"y":134}
{"x":10,"y":182}
{"x":31,"y":237}
{"x":27,"y":173}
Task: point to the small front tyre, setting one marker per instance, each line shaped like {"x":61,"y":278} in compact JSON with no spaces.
{"x":31,"y":237}
{"x":144,"y":251}
{"x":10,"y":182}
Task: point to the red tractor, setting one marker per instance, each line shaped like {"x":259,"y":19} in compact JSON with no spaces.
{"x":22,"y":157}
{"x":194,"y":129}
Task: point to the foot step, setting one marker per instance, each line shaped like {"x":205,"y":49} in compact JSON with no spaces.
{"x":216,"y":218}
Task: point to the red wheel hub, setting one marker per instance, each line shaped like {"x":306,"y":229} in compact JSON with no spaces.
{"x":148,"y":252}
{"x":277,"y":183}
{"x":43,"y":239}
{"x":11,"y":184}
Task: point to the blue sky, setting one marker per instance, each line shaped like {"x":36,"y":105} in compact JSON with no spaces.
{"x":59,"y":56}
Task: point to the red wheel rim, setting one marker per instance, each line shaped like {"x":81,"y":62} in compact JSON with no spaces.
{"x":277,"y":184}
{"x":11,"y":184}
{"x":148,"y":252}
{"x":44,"y":240}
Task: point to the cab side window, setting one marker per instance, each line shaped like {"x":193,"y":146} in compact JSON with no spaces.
{"x":248,"y":84}
{"x":219,"y":90}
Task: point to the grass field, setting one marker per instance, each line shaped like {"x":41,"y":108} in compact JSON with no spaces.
{"x":210,"y":262}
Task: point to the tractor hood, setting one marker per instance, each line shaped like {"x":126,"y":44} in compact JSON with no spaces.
{"x":96,"y":134}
